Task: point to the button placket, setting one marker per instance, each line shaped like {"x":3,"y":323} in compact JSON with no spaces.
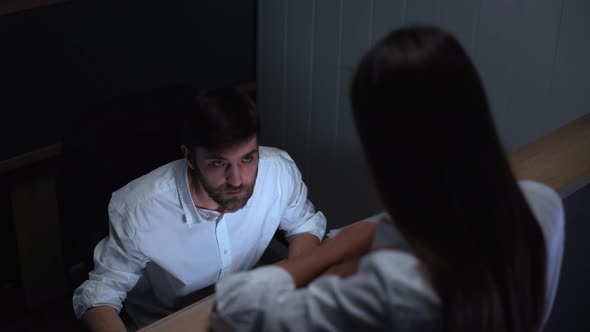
{"x":223,"y":245}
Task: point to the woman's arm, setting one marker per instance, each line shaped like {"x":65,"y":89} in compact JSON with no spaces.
{"x":301,"y":244}
{"x":351,"y":243}
{"x":266,"y":298}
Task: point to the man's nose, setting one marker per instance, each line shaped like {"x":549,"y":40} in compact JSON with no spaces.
{"x":233,"y":176}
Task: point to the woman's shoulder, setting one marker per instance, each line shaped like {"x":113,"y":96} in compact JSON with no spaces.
{"x":545,"y":203}
{"x":538,"y":191}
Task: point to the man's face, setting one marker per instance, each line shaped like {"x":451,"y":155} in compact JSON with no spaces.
{"x":228,"y":174}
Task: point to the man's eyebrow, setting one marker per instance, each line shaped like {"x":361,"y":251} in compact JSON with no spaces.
{"x":220,"y":157}
{"x":214,"y":156}
{"x":255,"y":150}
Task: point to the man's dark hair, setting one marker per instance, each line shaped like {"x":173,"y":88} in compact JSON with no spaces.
{"x":219,"y":117}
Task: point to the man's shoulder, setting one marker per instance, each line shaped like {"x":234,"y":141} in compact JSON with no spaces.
{"x":275,"y":166}
{"x":269,"y":153}
{"x":148,"y":186}
{"x":275,"y":159}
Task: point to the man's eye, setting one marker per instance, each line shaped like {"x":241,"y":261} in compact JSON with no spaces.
{"x":247,"y":159}
{"x":218,"y":163}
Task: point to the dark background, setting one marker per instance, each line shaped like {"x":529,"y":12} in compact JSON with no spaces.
{"x":56,"y":60}
{"x":102,"y":78}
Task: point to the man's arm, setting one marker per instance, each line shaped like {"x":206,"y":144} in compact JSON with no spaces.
{"x":103,"y":319}
{"x":299,"y":217}
{"x":301,"y":244}
{"x":115,"y":258}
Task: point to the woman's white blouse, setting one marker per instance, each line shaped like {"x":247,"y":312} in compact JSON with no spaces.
{"x":389,"y":291}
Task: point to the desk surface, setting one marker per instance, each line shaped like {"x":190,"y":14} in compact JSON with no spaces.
{"x":192,"y":318}
{"x":560,"y":159}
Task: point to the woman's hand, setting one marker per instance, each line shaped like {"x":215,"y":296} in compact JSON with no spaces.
{"x":350,"y":244}
{"x":353,"y":241}
{"x":344,"y":269}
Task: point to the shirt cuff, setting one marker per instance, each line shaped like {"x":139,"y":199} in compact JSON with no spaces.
{"x":315,"y":225}
{"x":92,"y":294}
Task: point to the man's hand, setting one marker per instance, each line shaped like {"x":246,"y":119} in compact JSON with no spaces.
{"x":103,"y":319}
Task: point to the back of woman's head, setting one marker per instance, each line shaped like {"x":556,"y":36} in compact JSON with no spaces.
{"x":425,"y":125}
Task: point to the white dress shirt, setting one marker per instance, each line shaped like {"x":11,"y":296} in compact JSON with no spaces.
{"x":389,"y":292}
{"x":161,"y":248}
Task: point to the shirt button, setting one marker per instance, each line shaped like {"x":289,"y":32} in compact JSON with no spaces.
{"x":225,"y":252}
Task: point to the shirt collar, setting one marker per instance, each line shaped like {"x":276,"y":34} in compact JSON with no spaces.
{"x":190,"y":212}
{"x":193,"y":214}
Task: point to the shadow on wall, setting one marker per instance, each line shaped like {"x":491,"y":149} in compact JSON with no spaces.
{"x":340,"y":184}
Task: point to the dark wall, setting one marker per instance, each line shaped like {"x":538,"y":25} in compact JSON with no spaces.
{"x":57,"y":60}
{"x":532,"y":57}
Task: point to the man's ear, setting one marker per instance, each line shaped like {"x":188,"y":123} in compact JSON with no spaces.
{"x":188,"y":155}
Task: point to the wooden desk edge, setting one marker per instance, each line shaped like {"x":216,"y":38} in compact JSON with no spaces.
{"x":574,"y":186}
{"x":199,"y":306}
{"x":560,"y":159}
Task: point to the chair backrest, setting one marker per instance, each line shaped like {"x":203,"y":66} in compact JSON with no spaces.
{"x":104,"y":147}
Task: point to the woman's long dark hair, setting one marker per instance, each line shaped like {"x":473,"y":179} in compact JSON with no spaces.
{"x":425,"y":125}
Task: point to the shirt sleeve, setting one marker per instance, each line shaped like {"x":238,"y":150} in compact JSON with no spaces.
{"x":547,"y":207}
{"x":265,"y":299}
{"x":300,"y":216}
{"x":389,"y":291}
{"x":118,"y":265}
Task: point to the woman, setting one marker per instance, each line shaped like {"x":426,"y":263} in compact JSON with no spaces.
{"x":468,"y":248}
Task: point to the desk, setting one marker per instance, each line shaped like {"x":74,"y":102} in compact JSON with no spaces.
{"x":560,"y":159}
{"x":192,"y":318}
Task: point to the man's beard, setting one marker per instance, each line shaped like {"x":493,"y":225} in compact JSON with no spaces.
{"x":230,"y":203}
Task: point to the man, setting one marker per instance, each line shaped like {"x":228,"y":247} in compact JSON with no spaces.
{"x":189,"y":223}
